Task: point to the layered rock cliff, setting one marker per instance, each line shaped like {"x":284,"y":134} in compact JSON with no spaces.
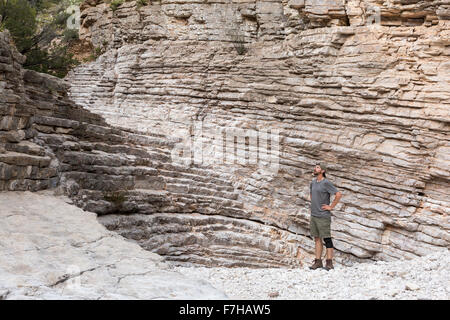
{"x":360,"y":85}
{"x":47,"y":141}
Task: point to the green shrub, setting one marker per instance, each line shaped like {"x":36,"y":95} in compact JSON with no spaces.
{"x":33,"y":34}
{"x":115,"y":197}
{"x":70,"y":35}
{"x":20,"y":19}
{"x":61,"y":19}
{"x":141,"y":3}
{"x":115,"y":4}
{"x":57,"y":62}
{"x":97,"y":52}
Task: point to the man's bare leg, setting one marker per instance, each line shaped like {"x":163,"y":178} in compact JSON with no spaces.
{"x":318,"y":251}
{"x":329,"y":261}
{"x":319,"y":247}
{"x":329,"y":253}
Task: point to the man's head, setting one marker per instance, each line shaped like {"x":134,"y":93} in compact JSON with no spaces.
{"x":318,"y":169}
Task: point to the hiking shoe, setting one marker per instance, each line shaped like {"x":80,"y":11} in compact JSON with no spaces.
{"x":329,"y":265}
{"x":317,"y":264}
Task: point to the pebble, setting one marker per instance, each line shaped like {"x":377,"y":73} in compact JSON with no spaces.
{"x":412,"y":286}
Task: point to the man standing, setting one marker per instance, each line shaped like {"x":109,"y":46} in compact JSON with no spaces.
{"x":320,"y":191}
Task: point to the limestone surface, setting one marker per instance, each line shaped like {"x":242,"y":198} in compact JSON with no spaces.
{"x":51,"y":249}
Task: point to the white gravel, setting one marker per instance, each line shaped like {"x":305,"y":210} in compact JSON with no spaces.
{"x":422,"y":278}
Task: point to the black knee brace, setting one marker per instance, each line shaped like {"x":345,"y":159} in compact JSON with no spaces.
{"x":328,"y":242}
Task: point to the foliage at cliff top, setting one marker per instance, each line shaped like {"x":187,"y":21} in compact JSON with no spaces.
{"x":39,"y":30}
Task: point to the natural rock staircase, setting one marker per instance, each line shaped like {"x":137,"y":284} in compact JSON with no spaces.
{"x":123,"y":172}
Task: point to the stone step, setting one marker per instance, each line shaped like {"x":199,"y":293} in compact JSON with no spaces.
{"x":14,"y":122}
{"x":28,"y":184}
{"x":26,"y":147}
{"x":56,"y":141}
{"x":13,"y":172}
{"x":146,"y":140}
{"x":195,"y":183}
{"x":93,"y":181}
{"x":229,"y":262}
{"x":141,"y":172}
{"x":208,"y":201}
{"x":102,"y":134}
{"x":55,"y":122}
{"x":23,"y":159}
{"x":190,"y":189}
{"x":205,"y":176}
{"x":130,"y":150}
{"x":76,"y":158}
{"x":13,"y":136}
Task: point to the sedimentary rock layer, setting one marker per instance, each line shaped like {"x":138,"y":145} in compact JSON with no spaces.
{"x":360,"y":85}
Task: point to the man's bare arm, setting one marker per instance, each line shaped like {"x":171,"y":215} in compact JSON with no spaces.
{"x":336,"y":200}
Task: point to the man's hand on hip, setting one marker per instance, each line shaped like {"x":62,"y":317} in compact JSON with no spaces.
{"x":335,"y":202}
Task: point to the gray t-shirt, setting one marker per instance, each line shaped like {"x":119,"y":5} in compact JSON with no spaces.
{"x":320,"y":195}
